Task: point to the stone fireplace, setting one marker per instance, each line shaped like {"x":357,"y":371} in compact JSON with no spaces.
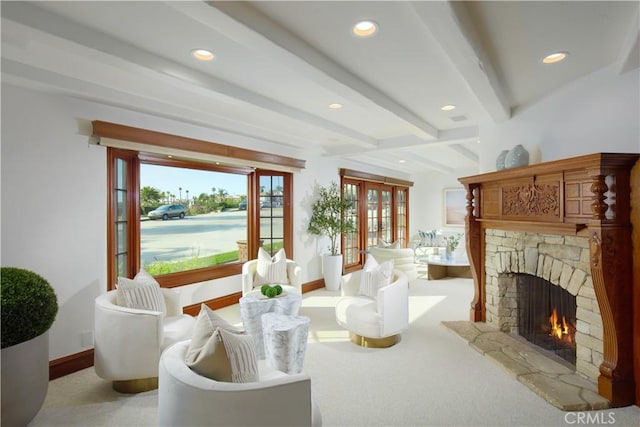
{"x":561,"y":260}
{"x":569,"y":223}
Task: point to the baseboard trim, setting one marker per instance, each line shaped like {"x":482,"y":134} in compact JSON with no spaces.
{"x":213,"y":304}
{"x":69,"y":364}
{"x":76,"y":362}
{"x":312,"y":286}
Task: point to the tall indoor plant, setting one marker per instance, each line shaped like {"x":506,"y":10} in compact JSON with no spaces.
{"x":29,"y":307}
{"x":328,"y":219}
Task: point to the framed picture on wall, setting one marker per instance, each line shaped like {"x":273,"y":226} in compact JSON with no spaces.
{"x":455,"y":206}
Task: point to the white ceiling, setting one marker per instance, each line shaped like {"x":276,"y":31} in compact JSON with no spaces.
{"x":279,"y":65}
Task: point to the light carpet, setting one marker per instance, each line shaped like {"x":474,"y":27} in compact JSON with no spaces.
{"x":431,"y":378}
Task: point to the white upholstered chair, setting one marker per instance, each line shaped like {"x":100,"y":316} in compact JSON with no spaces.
{"x":128,"y":342}
{"x":403,"y":259}
{"x":186,"y":398}
{"x":374,"y":322}
{"x":293,"y":275}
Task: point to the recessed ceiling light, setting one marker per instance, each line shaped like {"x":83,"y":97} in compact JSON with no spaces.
{"x":554,"y":57}
{"x":365,"y":28}
{"x":402,"y":161}
{"x":202,"y":54}
{"x":335,"y":106}
{"x":448,"y":107}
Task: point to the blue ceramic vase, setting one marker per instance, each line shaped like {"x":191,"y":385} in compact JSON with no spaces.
{"x":500,"y":159}
{"x":516,"y":157}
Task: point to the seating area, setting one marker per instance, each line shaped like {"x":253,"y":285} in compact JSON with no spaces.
{"x":129,"y":341}
{"x":376,"y":319}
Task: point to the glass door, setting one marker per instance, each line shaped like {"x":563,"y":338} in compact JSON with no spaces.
{"x":379,"y":211}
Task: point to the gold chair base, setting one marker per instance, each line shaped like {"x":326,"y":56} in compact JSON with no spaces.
{"x":136,"y":386}
{"x":374,"y":342}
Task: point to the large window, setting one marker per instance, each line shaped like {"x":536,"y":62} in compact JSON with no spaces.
{"x":190,"y":218}
{"x":186,"y":222}
{"x":190,"y":210}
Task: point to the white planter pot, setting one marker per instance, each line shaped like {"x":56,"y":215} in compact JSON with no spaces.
{"x":25,"y":380}
{"x":332,"y":271}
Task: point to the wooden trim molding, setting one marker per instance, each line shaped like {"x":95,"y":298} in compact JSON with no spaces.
{"x":158,"y":139}
{"x":354,"y":174}
{"x":70,"y":364}
{"x":588,"y":196}
{"x":635,"y":237}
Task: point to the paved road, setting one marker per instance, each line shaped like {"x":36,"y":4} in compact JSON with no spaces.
{"x":199,"y":235}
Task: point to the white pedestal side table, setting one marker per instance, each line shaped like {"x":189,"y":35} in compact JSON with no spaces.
{"x":253,"y":305}
{"x":285,"y":341}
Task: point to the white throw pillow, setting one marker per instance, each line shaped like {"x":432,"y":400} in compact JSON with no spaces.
{"x":386,"y":245}
{"x":143,"y":293}
{"x":375,"y":276}
{"x":271,"y":270}
{"x":220,"y":351}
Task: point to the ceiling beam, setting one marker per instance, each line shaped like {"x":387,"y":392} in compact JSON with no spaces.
{"x":452,"y":28}
{"x":465,"y":152}
{"x":629,"y":55}
{"x":446,"y":137}
{"x":65,"y":29}
{"x":299,"y":50}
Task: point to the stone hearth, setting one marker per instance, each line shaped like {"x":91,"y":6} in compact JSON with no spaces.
{"x":551,"y":378}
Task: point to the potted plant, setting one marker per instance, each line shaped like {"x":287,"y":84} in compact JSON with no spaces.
{"x":451,"y":244}
{"x":29,"y":307}
{"x":328,"y":219}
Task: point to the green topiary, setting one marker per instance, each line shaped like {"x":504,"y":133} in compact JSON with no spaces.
{"x":271,"y":292}
{"x":28,"y":303}
{"x":278,"y":289}
{"x":264,"y":288}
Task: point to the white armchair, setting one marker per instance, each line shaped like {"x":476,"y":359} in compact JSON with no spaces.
{"x":374,"y":322}
{"x":403,"y":259}
{"x":186,"y":398}
{"x":128,"y":342}
{"x":293,"y":274}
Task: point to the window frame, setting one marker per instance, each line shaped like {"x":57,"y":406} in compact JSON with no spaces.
{"x":136,"y":146}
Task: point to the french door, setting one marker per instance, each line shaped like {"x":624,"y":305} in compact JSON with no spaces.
{"x":379,"y":213}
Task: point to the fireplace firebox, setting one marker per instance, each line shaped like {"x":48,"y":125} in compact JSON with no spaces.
{"x":547,"y":316}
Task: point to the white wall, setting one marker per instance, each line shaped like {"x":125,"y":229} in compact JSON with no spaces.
{"x":597,"y":113}
{"x":426,"y":198}
{"x":54,"y":202}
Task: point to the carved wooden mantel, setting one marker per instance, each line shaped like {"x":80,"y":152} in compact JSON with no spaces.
{"x":586,"y":196}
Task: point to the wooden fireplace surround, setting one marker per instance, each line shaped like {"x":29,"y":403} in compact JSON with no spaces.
{"x":594,"y":196}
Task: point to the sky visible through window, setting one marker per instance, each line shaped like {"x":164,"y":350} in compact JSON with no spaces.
{"x":170,"y":180}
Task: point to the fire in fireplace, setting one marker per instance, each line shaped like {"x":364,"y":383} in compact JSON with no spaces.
{"x":546,"y":315}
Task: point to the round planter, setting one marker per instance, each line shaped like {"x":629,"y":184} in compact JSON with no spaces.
{"x":332,"y":271}
{"x":25,"y":380}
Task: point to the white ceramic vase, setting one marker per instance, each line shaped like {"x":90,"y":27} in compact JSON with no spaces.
{"x":332,"y":271}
